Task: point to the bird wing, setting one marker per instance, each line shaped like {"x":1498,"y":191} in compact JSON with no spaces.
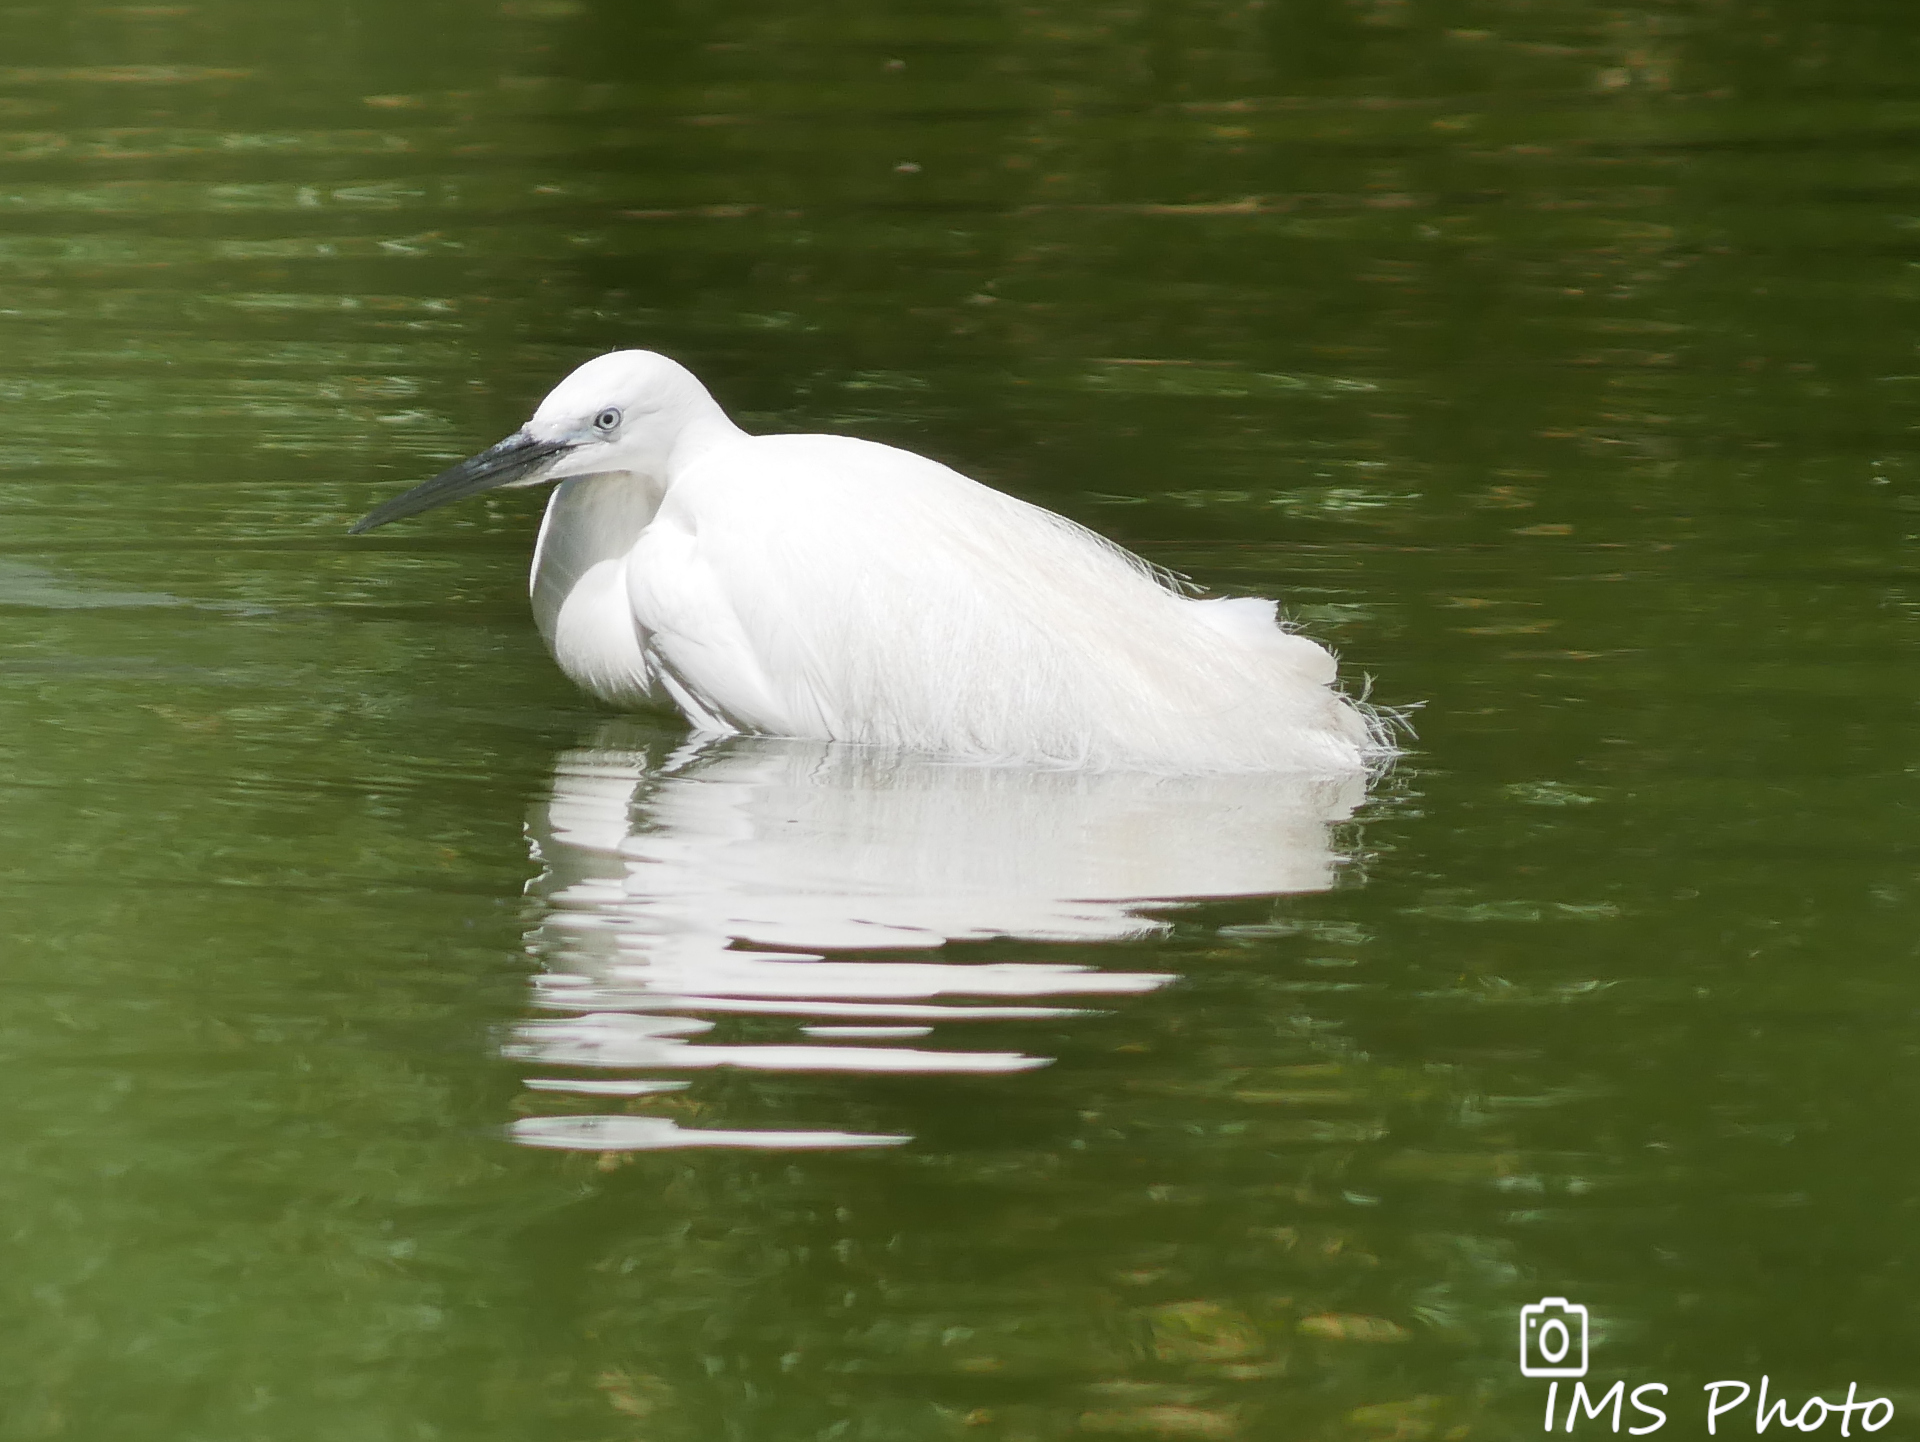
{"x":686,"y":599}
{"x":831,"y":587}
{"x":825,"y":586}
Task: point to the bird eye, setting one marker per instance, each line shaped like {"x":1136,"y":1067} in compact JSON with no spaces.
{"x":608,"y":419}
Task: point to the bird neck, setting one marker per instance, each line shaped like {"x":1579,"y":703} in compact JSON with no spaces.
{"x":706,"y":429}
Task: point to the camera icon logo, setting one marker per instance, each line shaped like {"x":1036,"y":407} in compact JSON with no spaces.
{"x":1553,"y":1339}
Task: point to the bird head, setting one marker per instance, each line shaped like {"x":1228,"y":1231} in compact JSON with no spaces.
{"x":629,"y":410}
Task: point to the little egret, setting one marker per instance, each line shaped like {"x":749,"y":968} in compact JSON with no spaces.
{"x":826,"y":588}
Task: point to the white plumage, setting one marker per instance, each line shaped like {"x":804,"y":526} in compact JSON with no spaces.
{"x":827,"y":588}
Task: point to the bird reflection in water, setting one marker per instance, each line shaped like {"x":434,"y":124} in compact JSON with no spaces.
{"x":731,"y":878}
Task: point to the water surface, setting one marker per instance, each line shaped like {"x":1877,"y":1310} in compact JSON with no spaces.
{"x":1555,"y":363}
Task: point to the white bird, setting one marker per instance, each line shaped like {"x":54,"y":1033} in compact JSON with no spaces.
{"x":826,"y":588}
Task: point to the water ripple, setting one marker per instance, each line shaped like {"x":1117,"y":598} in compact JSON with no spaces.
{"x":661,"y":866}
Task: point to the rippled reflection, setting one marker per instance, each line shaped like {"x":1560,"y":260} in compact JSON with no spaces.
{"x":715,"y":881}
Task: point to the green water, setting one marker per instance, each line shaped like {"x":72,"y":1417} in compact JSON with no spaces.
{"x":1557,"y":362}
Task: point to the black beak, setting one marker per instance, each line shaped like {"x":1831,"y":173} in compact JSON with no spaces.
{"x":514,"y":459}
